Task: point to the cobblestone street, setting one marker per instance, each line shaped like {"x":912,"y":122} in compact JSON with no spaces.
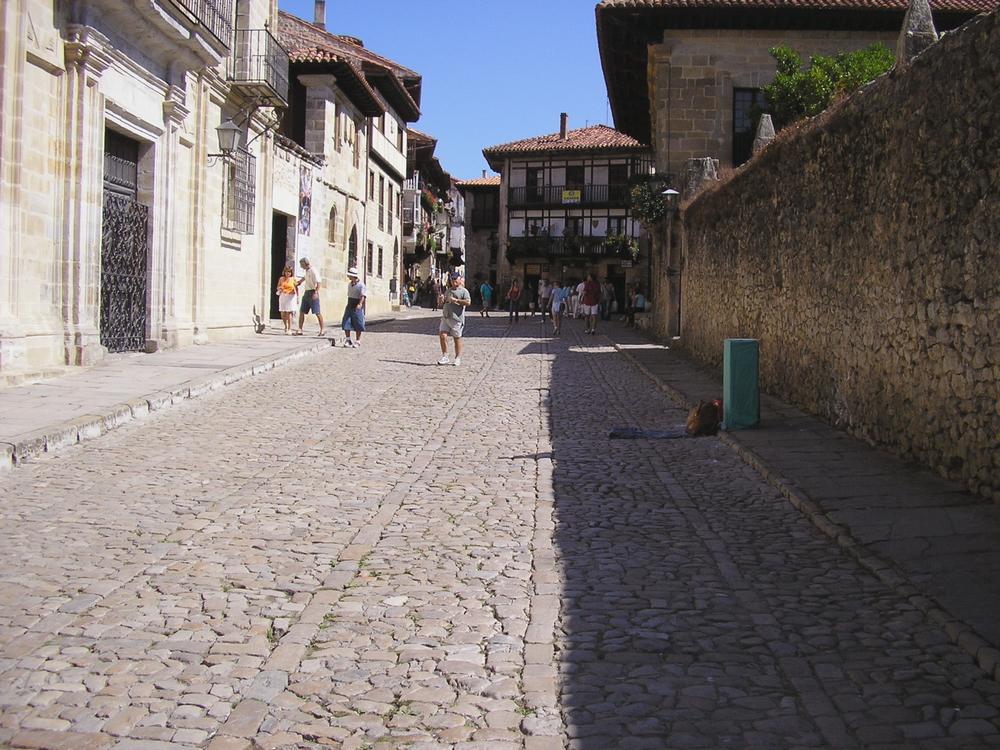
{"x":364,"y":550}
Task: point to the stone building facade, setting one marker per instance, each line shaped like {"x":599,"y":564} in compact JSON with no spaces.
{"x":861,"y":250}
{"x":108,"y":133}
{"x":427,"y":213}
{"x":685,"y":77}
{"x":126,"y":224}
{"x":483,"y":260}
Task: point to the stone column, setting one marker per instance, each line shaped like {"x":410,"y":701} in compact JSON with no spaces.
{"x":168,"y":214}
{"x":86,"y":61}
{"x":319,"y":92}
{"x":13,"y":20}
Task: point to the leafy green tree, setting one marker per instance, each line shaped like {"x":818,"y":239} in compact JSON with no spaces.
{"x":797,"y":93}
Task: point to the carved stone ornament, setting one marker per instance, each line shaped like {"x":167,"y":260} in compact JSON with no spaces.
{"x":918,"y":33}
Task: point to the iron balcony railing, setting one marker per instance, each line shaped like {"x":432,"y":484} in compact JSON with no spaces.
{"x":569,"y":195}
{"x":259,"y":67}
{"x":555,"y":248}
{"x":215,"y":15}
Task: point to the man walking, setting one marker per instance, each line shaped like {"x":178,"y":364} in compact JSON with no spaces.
{"x":354,"y":313}
{"x":456,"y":299}
{"x":591,"y":302}
{"x":544,"y":293}
{"x":310,"y":297}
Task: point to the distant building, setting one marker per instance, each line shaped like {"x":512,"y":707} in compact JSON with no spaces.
{"x":565,"y":206}
{"x":426,"y":215}
{"x":483,"y":260}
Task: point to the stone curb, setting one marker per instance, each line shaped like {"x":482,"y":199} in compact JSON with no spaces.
{"x":58,"y":436}
{"x":962,"y":634}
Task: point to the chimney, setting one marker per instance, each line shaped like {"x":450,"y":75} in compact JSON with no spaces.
{"x":484,"y":174}
{"x":563,"y":124}
{"x":320,"y":15}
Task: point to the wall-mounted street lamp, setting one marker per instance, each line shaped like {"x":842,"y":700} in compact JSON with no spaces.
{"x":670,"y":198}
{"x":229,"y":140}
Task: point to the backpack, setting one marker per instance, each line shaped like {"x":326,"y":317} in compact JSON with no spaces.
{"x":705,"y":418}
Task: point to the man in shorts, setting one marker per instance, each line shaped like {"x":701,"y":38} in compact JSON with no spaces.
{"x":456,"y":299}
{"x":590,"y":302}
{"x":354,"y":312}
{"x":310,"y":284}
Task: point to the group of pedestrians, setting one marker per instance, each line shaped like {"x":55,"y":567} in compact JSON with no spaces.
{"x":589,"y":299}
{"x":311,"y":282}
{"x":289,"y":298}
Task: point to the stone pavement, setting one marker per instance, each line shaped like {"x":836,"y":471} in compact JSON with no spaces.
{"x":363,"y":550}
{"x":81,"y":404}
{"x":920,"y":533}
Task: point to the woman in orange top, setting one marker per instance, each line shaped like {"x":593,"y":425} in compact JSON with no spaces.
{"x":288,"y":298}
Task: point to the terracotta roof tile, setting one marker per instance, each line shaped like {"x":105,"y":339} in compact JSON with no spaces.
{"x":580,"y":139}
{"x":307,"y":43}
{"x":493,"y":181}
{"x":969,"y":6}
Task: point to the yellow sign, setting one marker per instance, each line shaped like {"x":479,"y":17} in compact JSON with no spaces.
{"x":571,"y":196}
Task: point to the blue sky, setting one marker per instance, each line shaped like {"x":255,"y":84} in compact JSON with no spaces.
{"x":492,"y":71}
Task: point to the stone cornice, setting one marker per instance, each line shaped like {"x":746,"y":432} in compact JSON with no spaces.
{"x":88,"y":50}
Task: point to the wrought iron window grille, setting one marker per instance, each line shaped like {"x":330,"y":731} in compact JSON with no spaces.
{"x":240,"y":192}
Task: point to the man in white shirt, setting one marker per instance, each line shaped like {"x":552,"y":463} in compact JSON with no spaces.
{"x":354,"y":313}
{"x":310,"y":297}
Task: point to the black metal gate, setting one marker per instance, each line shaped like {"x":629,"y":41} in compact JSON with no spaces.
{"x":124,"y":248}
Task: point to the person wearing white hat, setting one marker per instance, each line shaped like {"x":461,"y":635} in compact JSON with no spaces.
{"x":354,"y":313}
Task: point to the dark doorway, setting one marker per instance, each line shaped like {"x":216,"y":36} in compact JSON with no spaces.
{"x":124,"y":248}
{"x":279,"y":257}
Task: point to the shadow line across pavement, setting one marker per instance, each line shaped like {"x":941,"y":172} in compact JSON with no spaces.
{"x":929,"y":538}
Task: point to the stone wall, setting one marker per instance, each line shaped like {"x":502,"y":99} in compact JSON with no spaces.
{"x":863,"y":250}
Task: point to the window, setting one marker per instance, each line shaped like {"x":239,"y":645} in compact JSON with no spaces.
{"x":337,"y":131}
{"x":748,"y":104}
{"x":352,"y":249}
{"x":331,"y":231}
{"x":618,"y":183}
{"x":380,"y":251}
{"x":574,"y":176}
{"x":369,"y":258}
{"x":371,"y":186}
{"x":533,"y":180}
{"x":399,"y":205}
{"x":616,"y":225}
{"x":239,"y":192}
{"x":381,"y":202}
{"x":388,"y":212}
{"x":356,"y":141}
{"x":574,"y":226}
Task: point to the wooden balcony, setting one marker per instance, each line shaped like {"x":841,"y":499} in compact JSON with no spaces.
{"x":554,"y":249}
{"x":568,"y":196}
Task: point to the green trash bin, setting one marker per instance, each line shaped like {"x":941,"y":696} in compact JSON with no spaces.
{"x":740,"y":389}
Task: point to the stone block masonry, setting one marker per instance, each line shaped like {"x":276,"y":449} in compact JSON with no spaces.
{"x":863,"y":250}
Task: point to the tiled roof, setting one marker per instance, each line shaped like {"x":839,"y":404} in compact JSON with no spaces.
{"x":493,"y":181}
{"x":308,"y":43}
{"x":969,"y":6}
{"x":581,"y":139}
